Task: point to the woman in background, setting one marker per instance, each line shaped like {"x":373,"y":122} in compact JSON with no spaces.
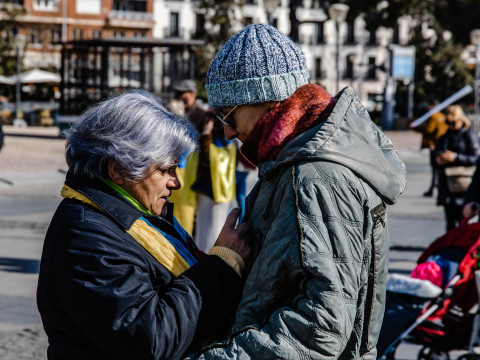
{"x":457,"y":147}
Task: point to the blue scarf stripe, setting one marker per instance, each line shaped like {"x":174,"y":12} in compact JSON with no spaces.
{"x":179,"y":245}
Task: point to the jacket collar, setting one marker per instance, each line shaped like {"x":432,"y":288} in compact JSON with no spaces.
{"x":349,"y":138}
{"x":111,"y":202}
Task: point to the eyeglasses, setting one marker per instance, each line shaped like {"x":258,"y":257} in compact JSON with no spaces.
{"x":224,"y":119}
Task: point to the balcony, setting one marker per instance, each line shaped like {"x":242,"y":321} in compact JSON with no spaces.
{"x":130,"y":19}
{"x":169,"y":32}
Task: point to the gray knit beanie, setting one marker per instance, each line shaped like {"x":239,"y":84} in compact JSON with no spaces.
{"x":258,"y":64}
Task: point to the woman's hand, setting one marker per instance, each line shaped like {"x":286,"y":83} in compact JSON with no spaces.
{"x":233,"y":238}
{"x":470,"y":210}
{"x":446,"y":157}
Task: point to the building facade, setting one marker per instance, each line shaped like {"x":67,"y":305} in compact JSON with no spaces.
{"x":362,"y":56}
{"x":47,"y":23}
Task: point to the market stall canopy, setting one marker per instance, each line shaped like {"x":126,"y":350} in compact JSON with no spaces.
{"x":6,"y":80}
{"x":37,"y":76}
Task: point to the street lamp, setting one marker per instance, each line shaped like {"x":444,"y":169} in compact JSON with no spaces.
{"x":475,"y":40}
{"x":338,"y":13}
{"x":19,"y":43}
{"x":270,"y":6}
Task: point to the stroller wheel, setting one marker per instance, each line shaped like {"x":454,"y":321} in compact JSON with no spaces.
{"x":432,"y":354}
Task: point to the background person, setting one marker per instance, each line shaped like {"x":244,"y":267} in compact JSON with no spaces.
{"x":184,"y":213}
{"x":119,"y":278}
{"x":214,"y":185}
{"x":209,"y":179}
{"x":457,"y":147}
{"x":316,"y":283}
{"x":184,"y":102}
{"x":431,"y":130}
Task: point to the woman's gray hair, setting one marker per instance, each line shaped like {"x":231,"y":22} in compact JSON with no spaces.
{"x":135,"y":130}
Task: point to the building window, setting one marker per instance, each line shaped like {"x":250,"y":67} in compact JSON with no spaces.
{"x":319,"y":34}
{"x":351,"y":33}
{"x":16,"y":2}
{"x":55,"y":35}
{"x":128,"y":5}
{"x":140,"y":34}
{"x":96,"y":34}
{"x":77,"y":34}
{"x":349,"y":67}
{"x":93,"y":7}
{"x":372,"y":40}
{"x":318,"y":68}
{"x":45,"y":5}
{"x":118,"y":34}
{"x":199,"y":25}
{"x":372,"y":68}
{"x":174,"y":24}
{"x":248,"y":20}
{"x":35,"y":36}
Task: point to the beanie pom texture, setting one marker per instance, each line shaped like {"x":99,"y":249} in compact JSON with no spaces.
{"x":258,"y":64}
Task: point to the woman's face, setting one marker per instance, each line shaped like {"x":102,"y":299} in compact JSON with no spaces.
{"x":154,"y":191}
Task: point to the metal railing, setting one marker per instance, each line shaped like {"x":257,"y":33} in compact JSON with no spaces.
{"x":130,"y":15}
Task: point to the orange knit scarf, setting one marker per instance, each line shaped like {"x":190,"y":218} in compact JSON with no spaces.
{"x":309,"y":106}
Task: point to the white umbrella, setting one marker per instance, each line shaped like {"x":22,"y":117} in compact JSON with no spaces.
{"x":37,"y":76}
{"x":6,"y":80}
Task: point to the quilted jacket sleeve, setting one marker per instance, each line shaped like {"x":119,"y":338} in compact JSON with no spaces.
{"x":319,"y":273}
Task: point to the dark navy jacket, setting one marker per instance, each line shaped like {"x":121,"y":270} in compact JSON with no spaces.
{"x":465,"y":143}
{"x":101,"y":295}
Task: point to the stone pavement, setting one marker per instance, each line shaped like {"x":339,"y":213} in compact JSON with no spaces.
{"x":32,"y":169}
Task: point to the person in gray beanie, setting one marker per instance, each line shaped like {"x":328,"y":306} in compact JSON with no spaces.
{"x":315,"y":285}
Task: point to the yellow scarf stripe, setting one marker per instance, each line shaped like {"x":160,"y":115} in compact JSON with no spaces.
{"x":160,"y":248}
{"x":152,"y":240}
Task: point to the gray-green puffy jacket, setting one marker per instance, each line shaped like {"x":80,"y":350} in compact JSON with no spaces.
{"x":316,"y":284}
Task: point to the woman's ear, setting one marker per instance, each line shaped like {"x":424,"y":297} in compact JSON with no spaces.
{"x":115,"y":172}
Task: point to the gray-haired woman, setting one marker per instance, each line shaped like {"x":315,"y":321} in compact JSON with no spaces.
{"x":119,"y":278}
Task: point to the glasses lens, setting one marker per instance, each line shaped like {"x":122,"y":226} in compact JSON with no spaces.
{"x":220,"y":118}
{"x":225,"y":119}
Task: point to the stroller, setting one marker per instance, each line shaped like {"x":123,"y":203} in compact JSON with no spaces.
{"x":444,"y":317}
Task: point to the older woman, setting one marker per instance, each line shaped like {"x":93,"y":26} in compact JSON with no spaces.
{"x":457,"y":147}
{"x":119,"y":278}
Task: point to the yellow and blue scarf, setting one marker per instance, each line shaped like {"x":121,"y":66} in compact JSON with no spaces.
{"x":176,"y":255}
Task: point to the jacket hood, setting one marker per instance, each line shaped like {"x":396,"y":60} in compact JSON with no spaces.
{"x":350,"y":138}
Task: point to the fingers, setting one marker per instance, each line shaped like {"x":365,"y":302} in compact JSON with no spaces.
{"x":233,"y":217}
{"x":243,"y":229}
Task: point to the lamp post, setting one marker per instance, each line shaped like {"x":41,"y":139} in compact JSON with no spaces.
{"x":338,"y":13}
{"x":64,"y":21}
{"x":270,"y":6}
{"x":475,"y":40}
{"x":19,"y":43}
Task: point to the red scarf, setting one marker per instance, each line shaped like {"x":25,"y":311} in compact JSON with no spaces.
{"x":309,"y":106}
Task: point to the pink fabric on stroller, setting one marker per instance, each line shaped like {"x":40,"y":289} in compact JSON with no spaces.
{"x":430,"y":271}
